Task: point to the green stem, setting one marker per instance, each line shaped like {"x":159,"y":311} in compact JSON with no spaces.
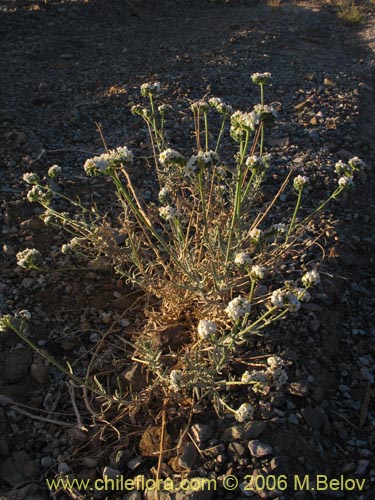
{"x":294,"y":214}
{"x":220,"y":134}
{"x":205,"y":114}
{"x":262,"y":94}
{"x":259,"y":320}
{"x":261,"y":139}
{"x":321,"y":206}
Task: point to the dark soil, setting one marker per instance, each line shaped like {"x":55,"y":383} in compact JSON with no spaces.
{"x":66,"y":66}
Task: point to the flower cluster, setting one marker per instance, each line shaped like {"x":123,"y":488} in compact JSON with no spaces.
{"x":346,"y":182}
{"x":171,"y":157}
{"x":240,"y":123}
{"x":201,"y":106}
{"x":168,"y":213}
{"x":201,"y":161}
{"x":311,"y":278}
{"x":262,"y":380}
{"x":242,"y":259}
{"x":164,"y":196}
{"x":220,"y":106}
{"x":265,"y":111}
{"x":285,"y":298}
{"x":237,"y":308}
{"x":72,"y":246}
{"x":107,"y":162}
{"x":255,"y":234}
{"x":31,"y":178}
{"x":54,"y":171}
{"x":257,"y":272}
{"x":244,"y":412}
{"x":29,"y":258}
{"x":39,"y":195}
{"x":257,"y":164}
{"x":5,"y":322}
{"x":299,"y":182}
{"x":348,"y":169}
{"x":150,"y":88}
{"x":206,"y":328}
{"x":261,"y":78}
{"x":280,"y":228}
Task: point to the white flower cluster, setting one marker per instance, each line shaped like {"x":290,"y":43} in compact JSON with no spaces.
{"x":5,"y":322}
{"x":237,"y":308}
{"x":202,"y":160}
{"x":150,"y":88}
{"x":220,"y":106}
{"x":280,"y":228}
{"x":262,"y":380}
{"x":106,"y":162}
{"x":175,"y":379}
{"x":28,"y":258}
{"x":171,"y":156}
{"x":356,"y":163}
{"x":168,"y":213}
{"x":265,"y":111}
{"x":257,"y":164}
{"x":163,"y":109}
{"x":300,"y":181}
{"x":261,"y":78}
{"x":24,"y":314}
{"x":201,"y":106}
{"x":206,"y":328}
{"x":164,"y":196}
{"x":37,"y":194}
{"x":347,"y":169}
{"x":31,"y":178}
{"x":311,"y":278}
{"x":255,"y":234}
{"x":72,"y":246}
{"x":257,"y":272}
{"x":285,"y":298}
{"x":240,"y":123}
{"x":346,"y":182}
{"x":242,"y":259}
{"x":245,"y":412}
{"x":54,"y":171}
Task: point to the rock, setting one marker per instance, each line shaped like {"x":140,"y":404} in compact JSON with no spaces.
{"x":46,"y":462}
{"x":27,"y":282}
{"x":8,"y":250}
{"x":28,"y":492}
{"x":188,"y":456}
{"x":111,"y":473}
{"x":250,"y":430}
{"x":314,"y":417}
{"x":298,"y":389}
{"x":63,"y":468}
{"x":258,"y":449}
{"x":18,"y":468}
{"x":237,"y":450}
{"x":361,"y":467}
{"x":149,"y":444}
{"x":201,"y":432}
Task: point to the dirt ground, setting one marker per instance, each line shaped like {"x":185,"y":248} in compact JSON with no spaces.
{"x":65,"y":66}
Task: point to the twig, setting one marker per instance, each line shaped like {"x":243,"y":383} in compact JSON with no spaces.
{"x":81,"y":427}
{"x":162,"y":438}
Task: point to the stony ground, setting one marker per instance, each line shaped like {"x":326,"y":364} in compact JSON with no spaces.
{"x":66,"y":66}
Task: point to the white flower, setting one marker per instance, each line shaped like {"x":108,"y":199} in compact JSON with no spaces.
{"x":257,"y":272}
{"x":255,"y":234}
{"x":261,"y":78}
{"x":346,"y":182}
{"x":293,"y":303}
{"x":171,"y":156}
{"x":277,"y":297}
{"x":164,"y":196}
{"x":54,"y":171}
{"x":28,"y":258}
{"x":163,"y":108}
{"x":280,"y":377}
{"x":243,"y":122}
{"x":150,"y":88}
{"x":168,"y":212}
{"x":121,"y":154}
{"x":242,"y":259}
{"x":281,"y":298}
{"x":299,"y":182}
{"x":31,"y":178}
{"x":280,"y":228}
{"x":237,"y":308}
{"x":73,"y":245}
{"x":356,"y":163}
{"x":220,"y":106}
{"x":202,"y":106}
{"x":257,"y":164}
{"x":311,"y":278}
{"x":175,"y":379}
{"x":206,"y":328}
{"x":200,"y":161}
{"x":244,"y":412}
{"x":37,"y":194}
{"x":342,"y":168}
{"x":265,"y":110}
{"x":275,"y":361}
{"x":302,"y":294}
{"x":24,"y":314}
{"x":258,"y":380}
{"x":5,"y":322}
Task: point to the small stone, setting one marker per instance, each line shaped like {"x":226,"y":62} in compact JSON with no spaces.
{"x":201,"y":432}
{"x":250,"y":430}
{"x":111,"y":473}
{"x":237,"y":450}
{"x":134,"y":462}
{"x":293,"y":419}
{"x":64,"y":468}
{"x":258,"y":449}
{"x":27,"y":282}
{"x":314,"y":417}
{"x":46,"y":462}
{"x":8,"y":250}
{"x":188,"y":456}
{"x":298,"y":389}
{"x":361,"y":467}
{"x":133,"y":495}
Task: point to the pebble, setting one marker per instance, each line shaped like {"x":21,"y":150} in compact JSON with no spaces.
{"x":27,"y":282}
{"x":188,"y":456}
{"x":201,"y":432}
{"x":361,"y":467}
{"x":111,"y":473}
{"x":63,"y":468}
{"x":9,"y":250}
{"x":258,"y":449}
{"x":46,"y":462}
{"x":250,"y":430}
